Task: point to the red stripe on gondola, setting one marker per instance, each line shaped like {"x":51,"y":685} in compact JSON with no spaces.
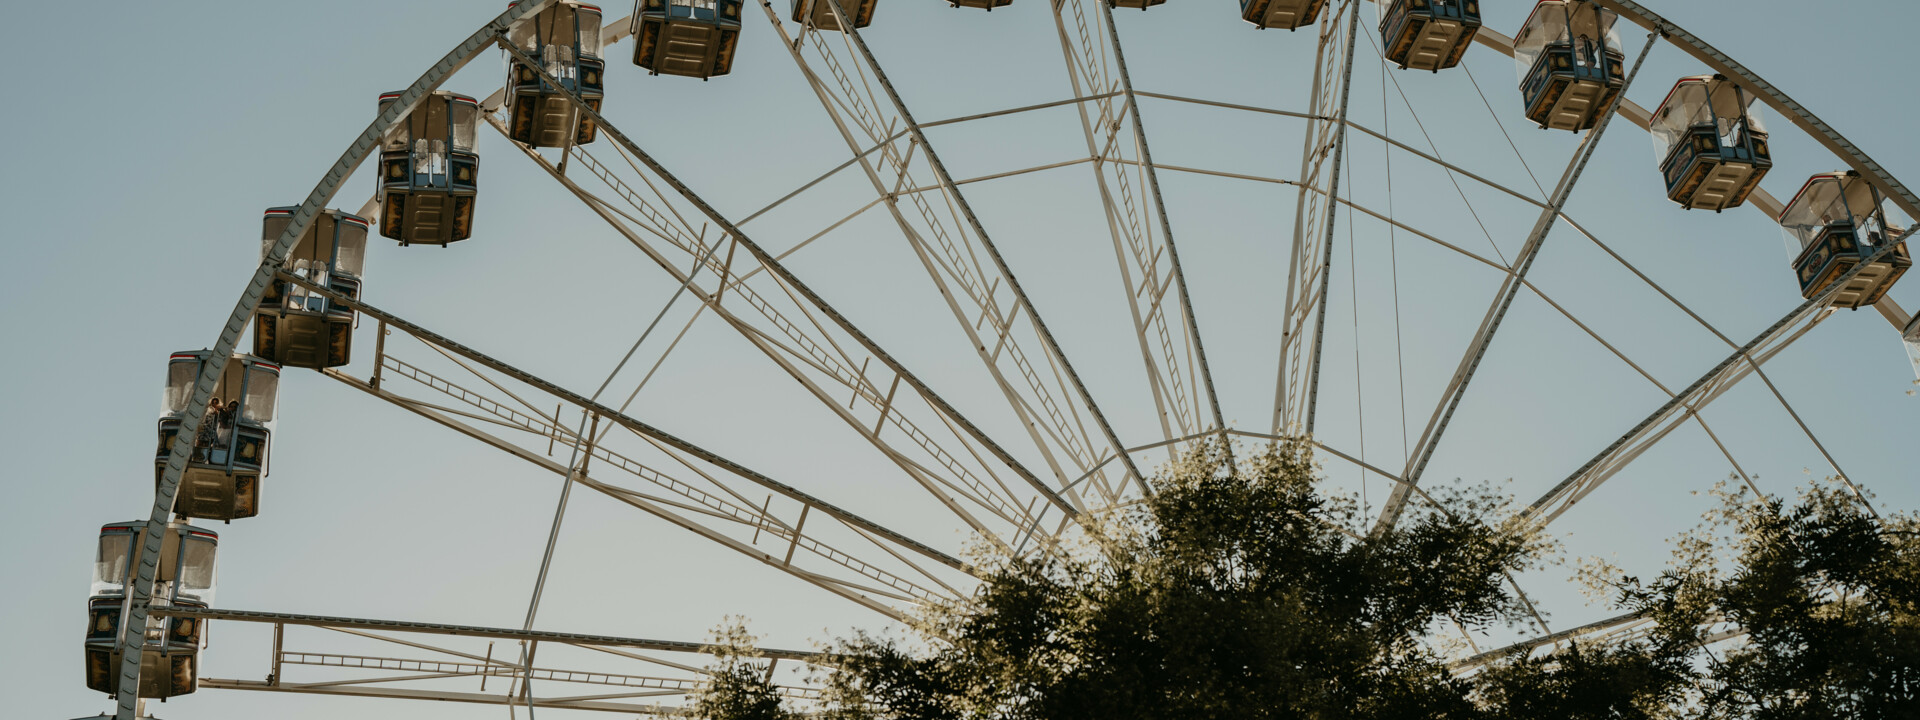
{"x":269,"y":366}
{"x":128,"y":528}
{"x":183,"y":356}
{"x":197,"y":533}
{"x":1702,"y":79}
{"x":1842,"y":176}
{"x":352,"y":219}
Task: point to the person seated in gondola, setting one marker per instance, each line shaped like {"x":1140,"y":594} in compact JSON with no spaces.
{"x":203,"y":441}
{"x":227,"y":415}
{"x":221,"y":480}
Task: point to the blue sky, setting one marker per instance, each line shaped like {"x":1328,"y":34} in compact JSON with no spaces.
{"x":148,"y":138}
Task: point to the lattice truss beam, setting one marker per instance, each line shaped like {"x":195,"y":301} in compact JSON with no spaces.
{"x":350,"y":657}
{"x":1321,"y":160}
{"x":643,"y":466}
{"x":1181,"y":383}
{"x":745,"y":286}
{"x":1611,"y":631}
{"x":1065,"y":427}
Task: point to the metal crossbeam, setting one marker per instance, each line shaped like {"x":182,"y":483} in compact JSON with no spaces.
{"x":986,"y":298}
{"x":1510,"y":288}
{"x":1599,"y":629}
{"x":393,"y":693}
{"x":1309,"y":263}
{"x":1744,"y":359}
{"x":1143,"y":241}
{"x":737,"y":526}
{"x":476,"y":631}
{"x":405,"y":675}
{"x":725,"y":504}
{"x":792,"y":283}
{"x":1529,"y":285}
{"x":890,"y":588}
{"x":963,"y":480}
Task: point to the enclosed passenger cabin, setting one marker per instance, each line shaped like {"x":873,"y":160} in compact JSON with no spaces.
{"x":565,"y":38}
{"x":1835,"y":223}
{"x":222,"y":479}
{"x":1428,"y":34}
{"x":429,"y":172}
{"x":1284,"y":14}
{"x":1710,"y":142}
{"x":296,"y":326}
{"x":1571,"y":66}
{"x":169,"y":656}
{"x":818,"y":14}
{"x":690,"y":38}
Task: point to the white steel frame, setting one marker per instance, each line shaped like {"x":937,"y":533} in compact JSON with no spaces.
{"x":981,"y":482}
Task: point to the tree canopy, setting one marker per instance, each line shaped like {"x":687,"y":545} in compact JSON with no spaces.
{"x":1238,"y":590}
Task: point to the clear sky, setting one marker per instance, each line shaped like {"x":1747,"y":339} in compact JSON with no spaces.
{"x":147,"y":138}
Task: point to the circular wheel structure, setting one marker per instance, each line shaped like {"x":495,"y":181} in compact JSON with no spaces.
{"x":978,"y":327}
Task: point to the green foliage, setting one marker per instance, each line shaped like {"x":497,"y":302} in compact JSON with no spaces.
{"x":1238,"y":591}
{"x":1235,"y":593}
{"x":738,"y":687}
{"x":1827,"y":594}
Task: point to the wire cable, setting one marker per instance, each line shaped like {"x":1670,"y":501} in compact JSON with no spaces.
{"x":1436,"y":153}
{"x":566,"y":488}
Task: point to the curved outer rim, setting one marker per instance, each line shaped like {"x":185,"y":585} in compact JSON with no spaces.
{"x":1774,"y":98}
{"x":132,"y":633}
{"x":127,"y":698}
{"x":1801,"y":117}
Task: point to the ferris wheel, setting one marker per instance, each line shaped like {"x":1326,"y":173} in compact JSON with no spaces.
{"x":1015,"y":431}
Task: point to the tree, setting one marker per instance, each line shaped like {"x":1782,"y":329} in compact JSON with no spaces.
{"x":737,"y":687}
{"x":1239,"y":591}
{"x":1826,"y":593}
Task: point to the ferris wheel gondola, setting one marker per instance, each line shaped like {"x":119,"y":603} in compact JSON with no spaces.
{"x":565,"y":39}
{"x":1836,"y":223}
{"x":690,"y":38}
{"x":170,"y":648}
{"x":1428,"y":34}
{"x":1283,"y":14}
{"x":818,"y":14}
{"x":987,"y":5}
{"x":1711,"y":143}
{"x":300,"y":328}
{"x":1570,"y":62}
{"x":229,"y":458}
{"x":429,"y":172}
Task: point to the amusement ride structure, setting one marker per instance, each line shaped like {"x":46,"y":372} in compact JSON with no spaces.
{"x":1019,"y":487}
